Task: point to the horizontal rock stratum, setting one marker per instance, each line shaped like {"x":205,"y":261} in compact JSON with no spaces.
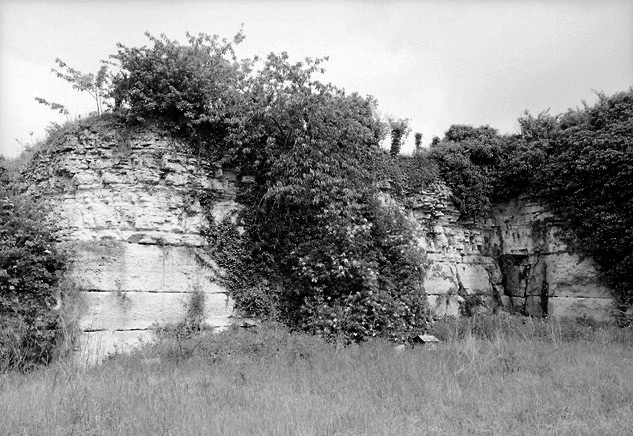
{"x":125,"y":201}
{"x":126,"y":208}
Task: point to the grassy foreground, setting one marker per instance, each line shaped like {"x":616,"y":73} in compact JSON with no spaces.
{"x":490,"y":376}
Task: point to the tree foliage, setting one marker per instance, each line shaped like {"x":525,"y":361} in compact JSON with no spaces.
{"x":468,"y":158}
{"x":95,"y":85}
{"x":399,"y":131}
{"x":192,"y":89}
{"x":587,"y":178}
{"x":319,"y":243}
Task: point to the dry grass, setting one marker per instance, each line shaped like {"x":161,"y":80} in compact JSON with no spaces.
{"x":535,"y":380}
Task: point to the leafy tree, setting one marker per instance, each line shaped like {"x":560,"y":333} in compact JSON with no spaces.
{"x":193,"y":90}
{"x":461,"y":132}
{"x":351,"y":267}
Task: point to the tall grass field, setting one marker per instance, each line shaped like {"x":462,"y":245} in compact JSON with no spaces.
{"x":488,"y":376}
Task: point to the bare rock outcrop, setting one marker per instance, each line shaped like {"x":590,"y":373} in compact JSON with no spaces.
{"x":514,"y":259}
{"x":126,"y":208}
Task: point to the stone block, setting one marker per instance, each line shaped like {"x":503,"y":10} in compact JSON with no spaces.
{"x":142,"y":310}
{"x":440,"y":279}
{"x":569,"y":276}
{"x":474,"y":278}
{"x":533,"y":305}
{"x":506,"y":302}
{"x":517,"y":303}
{"x":536,"y":277}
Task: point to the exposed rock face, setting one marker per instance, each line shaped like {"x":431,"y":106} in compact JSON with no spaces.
{"x":541,"y":274}
{"x":462,"y":255}
{"x":514,"y":259}
{"x":127,"y":208}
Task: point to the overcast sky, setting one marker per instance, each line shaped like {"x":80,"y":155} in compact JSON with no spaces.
{"x":435,"y":62}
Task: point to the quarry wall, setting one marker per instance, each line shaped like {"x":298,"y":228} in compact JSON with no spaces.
{"x":125,"y":206}
{"x":126,"y":210}
{"x":515,"y":259}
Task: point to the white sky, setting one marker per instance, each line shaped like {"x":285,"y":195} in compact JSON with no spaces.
{"x":435,"y":62}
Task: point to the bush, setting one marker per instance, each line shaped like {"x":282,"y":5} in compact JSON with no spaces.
{"x":468,"y":158}
{"x":31,"y":266}
{"x":193,"y":90}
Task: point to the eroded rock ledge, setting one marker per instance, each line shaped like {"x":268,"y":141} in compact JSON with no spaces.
{"x":126,"y":206}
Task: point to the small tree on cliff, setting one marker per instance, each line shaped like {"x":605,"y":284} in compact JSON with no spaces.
{"x":399,"y":131}
{"x":418,"y":143}
{"x":95,"y":85}
{"x":468,"y":159}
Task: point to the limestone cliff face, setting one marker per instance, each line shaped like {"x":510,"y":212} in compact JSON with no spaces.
{"x":541,"y":273}
{"x":124,"y":201}
{"x":126,"y":208}
{"x":462,"y":255}
{"x":514,"y":259}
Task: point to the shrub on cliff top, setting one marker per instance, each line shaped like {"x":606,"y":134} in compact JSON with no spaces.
{"x":468,"y":158}
{"x":191,"y":89}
